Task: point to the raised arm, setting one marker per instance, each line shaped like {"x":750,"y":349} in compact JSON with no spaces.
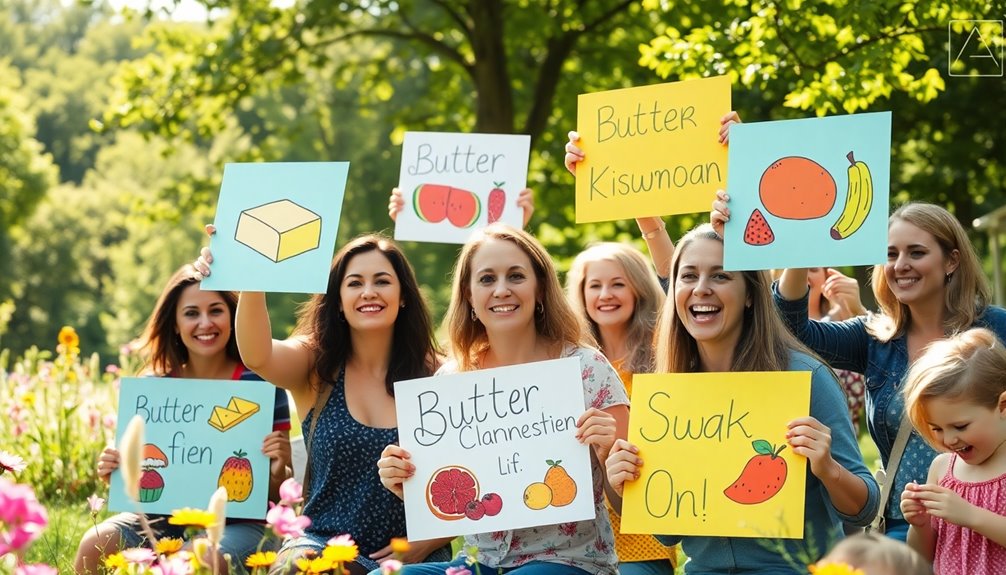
{"x":285,"y":363}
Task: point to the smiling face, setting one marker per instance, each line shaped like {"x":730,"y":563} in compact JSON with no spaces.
{"x":607,"y":295}
{"x":370,"y":293}
{"x":916,"y":266}
{"x":709,"y":302}
{"x":203,"y":321}
{"x":503,"y":287}
{"x":973,"y":431}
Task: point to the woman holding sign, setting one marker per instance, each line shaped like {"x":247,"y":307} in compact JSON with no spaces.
{"x":932,"y":286}
{"x":615,"y":289}
{"x":507,"y":308}
{"x":190,"y":335}
{"x":370,"y":329}
{"x":722,"y":321}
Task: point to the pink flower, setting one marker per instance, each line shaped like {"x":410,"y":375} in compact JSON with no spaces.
{"x":174,"y":566}
{"x":109,"y":421}
{"x":95,"y":503}
{"x":112,"y":368}
{"x":11,"y":462}
{"x":139,"y":556}
{"x":391,"y":567}
{"x":457,"y":571}
{"x":344,"y":540}
{"x":22,"y":517}
{"x":290,"y":492}
{"x":285,"y":521}
{"x":35,"y":569}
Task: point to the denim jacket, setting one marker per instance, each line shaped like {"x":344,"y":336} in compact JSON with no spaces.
{"x":847,"y":345}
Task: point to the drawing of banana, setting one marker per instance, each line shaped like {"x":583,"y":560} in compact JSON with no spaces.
{"x":858,"y":200}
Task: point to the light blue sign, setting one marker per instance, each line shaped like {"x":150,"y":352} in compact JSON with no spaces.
{"x":199,"y":435}
{"x":276,"y":226}
{"x":808,"y":193}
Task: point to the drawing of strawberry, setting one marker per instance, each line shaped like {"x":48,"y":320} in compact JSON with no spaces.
{"x":236,"y":476}
{"x":762,"y":477}
{"x":497,"y":201}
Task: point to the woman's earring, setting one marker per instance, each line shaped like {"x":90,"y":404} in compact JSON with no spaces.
{"x":540,"y":308}
{"x":474,"y":317}
{"x":949,"y":276}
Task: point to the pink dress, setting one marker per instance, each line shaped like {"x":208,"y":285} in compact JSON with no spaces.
{"x":959,"y":550}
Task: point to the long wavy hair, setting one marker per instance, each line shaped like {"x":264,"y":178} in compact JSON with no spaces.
{"x":160,"y":343}
{"x":414,"y":351}
{"x":765,"y":342}
{"x":966,"y":293}
{"x":557,"y":323}
{"x":645,"y":287}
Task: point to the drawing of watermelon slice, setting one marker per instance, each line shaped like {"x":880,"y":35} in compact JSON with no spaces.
{"x":758,"y":232}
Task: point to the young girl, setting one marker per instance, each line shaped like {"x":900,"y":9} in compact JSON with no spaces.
{"x":615,"y":289}
{"x":370,"y":329}
{"x":871,"y":554}
{"x":932,"y":285}
{"x":190,"y":335}
{"x":723,"y":321}
{"x":955,"y":396}
{"x":507,"y":308}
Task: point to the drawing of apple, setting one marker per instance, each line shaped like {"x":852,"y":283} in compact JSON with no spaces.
{"x":493,"y":503}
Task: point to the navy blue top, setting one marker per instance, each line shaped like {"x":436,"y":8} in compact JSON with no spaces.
{"x":847,"y":345}
{"x":345,"y":494}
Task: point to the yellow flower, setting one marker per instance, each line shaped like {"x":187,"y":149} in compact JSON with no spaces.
{"x":68,"y":337}
{"x":314,"y":566}
{"x":115,"y":561}
{"x":835,"y":569}
{"x":261,"y":559}
{"x":168,"y":545}
{"x":341,"y":549}
{"x":192,"y":518}
{"x":399,"y":545}
{"x":28,"y":399}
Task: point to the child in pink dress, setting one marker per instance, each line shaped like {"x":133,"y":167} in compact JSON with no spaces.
{"x":955,"y":396}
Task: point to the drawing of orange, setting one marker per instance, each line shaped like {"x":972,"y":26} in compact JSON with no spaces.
{"x":796,"y":188}
{"x":562,"y":485}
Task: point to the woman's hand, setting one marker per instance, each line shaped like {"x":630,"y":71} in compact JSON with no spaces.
{"x":202,"y":263}
{"x":573,"y":153}
{"x":394,"y":468}
{"x":812,"y":439}
{"x":597,"y":429}
{"x":622,"y":465}
{"x":725,"y":122}
{"x":108,"y":462}
{"x":395,"y":204}
{"x":721,"y":213}
{"x":276,"y":446}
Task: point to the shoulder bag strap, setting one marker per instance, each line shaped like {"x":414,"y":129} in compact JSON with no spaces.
{"x":897,"y":450}
{"x":319,"y":404}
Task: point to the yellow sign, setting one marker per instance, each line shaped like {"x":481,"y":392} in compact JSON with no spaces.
{"x":715,"y":457}
{"x":651,"y":151}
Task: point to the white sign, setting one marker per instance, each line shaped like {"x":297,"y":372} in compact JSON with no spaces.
{"x":454,"y":184}
{"x":494,"y":449}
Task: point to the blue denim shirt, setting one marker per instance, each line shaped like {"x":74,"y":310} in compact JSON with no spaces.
{"x":847,"y":345}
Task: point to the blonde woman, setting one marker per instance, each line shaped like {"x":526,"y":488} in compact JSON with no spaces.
{"x":615,"y":289}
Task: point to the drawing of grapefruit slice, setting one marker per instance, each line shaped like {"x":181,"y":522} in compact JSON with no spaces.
{"x":450,"y":489}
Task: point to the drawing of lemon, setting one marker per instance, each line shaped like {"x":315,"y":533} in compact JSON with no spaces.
{"x":537,"y":496}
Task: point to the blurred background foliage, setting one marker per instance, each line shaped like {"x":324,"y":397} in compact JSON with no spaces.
{"x":115,"y":125}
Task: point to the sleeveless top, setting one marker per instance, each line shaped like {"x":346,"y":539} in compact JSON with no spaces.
{"x":959,"y":550}
{"x":345,"y":494}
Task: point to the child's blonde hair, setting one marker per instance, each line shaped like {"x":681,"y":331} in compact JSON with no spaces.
{"x":877,"y":555}
{"x":970,"y":366}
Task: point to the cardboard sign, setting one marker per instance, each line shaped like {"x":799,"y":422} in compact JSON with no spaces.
{"x":276,"y":226}
{"x":715,"y":457}
{"x":651,"y":151}
{"x":494,"y":449}
{"x":199,"y":434}
{"x":454,"y":184}
{"x":809,"y":193}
